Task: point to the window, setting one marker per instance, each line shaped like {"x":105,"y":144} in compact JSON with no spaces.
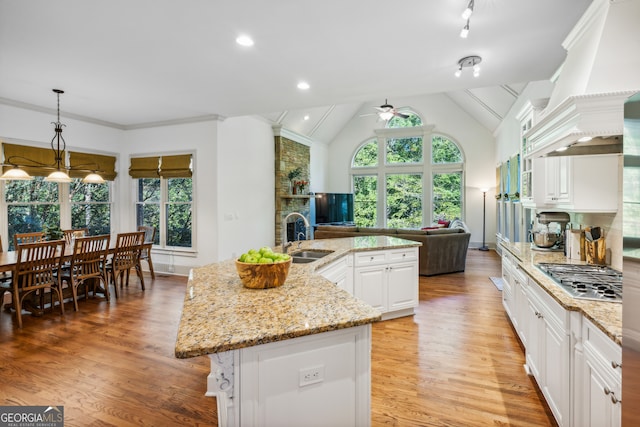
{"x":38,"y":205}
{"x":31,"y":206}
{"x":164,"y":199}
{"x":90,"y":207}
{"x":405,"y":191}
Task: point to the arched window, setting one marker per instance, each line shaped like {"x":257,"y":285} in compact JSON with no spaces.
{"x":394,"y":186}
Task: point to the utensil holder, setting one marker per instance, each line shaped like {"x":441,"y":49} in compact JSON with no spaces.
{"x":596,"y":251}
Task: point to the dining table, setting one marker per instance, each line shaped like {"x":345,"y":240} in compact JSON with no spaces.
{"x":9,"y":259}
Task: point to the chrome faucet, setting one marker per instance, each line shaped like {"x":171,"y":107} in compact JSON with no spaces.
{"x":299,"y":240}
{"x":286,"y":244}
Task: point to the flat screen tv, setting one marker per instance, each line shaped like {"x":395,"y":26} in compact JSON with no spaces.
{"x":332,"y":208}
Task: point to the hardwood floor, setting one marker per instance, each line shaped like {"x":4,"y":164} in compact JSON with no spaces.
{"x":455,"y":363}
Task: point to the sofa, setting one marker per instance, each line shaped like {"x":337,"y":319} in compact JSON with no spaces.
{"x":443,"y":250}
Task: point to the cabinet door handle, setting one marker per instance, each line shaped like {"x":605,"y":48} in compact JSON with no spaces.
{"x":614,"y":399}
{"x":607,"y":390}
{"x":615,"y":364}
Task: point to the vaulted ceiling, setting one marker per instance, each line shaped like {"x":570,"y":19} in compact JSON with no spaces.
{"x":137,"y":63}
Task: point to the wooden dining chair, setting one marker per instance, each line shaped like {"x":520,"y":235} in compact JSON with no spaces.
{"x":149,"y":239}
{"x":87,"y":266}
{"x":32,"y":237}
{"x":126,"y":256}
{"x":77,"y":232}
{"x":5,"y":282}
{"x":37,"y":268}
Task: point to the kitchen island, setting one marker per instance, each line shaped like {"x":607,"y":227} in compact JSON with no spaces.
{"x":298,"y":354}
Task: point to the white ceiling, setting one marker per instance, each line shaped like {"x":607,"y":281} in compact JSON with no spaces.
{"x":132,"y":63}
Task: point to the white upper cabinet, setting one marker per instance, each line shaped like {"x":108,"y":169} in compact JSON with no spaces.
{"x":581,"y":183}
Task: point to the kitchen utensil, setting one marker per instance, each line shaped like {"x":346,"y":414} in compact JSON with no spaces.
{"x":587,"y":234}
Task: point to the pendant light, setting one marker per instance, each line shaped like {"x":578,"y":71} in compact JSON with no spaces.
{"x":58,"y":145}
{"x":59,"y":175}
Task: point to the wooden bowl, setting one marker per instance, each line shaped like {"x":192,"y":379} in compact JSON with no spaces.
{"x":263,"y":276}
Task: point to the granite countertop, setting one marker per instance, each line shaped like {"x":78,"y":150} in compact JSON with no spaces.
{"x":607,"y":316}
{"x":219,"y":314}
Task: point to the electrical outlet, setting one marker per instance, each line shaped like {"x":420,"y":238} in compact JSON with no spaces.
{"x":311,"y":375}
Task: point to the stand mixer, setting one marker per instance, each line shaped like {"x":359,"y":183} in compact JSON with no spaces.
{"x":544,"y":238}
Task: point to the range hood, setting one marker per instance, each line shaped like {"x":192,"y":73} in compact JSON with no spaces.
{"x":580,"y":125}
{"x":598,"y":75}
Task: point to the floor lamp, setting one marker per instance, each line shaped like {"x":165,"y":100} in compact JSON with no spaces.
{"x":484,"y":215}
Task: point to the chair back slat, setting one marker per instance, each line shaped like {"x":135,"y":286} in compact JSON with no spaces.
{"x":149,"y":233}
{"x":32,"y":237}
{"x":127,"y":250}
{"x":89,"y":255}
{"x":77,"y":232}
{"x":37,"y":264}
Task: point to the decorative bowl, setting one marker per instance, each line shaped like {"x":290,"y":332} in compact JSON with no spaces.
{"x":263,"y":276}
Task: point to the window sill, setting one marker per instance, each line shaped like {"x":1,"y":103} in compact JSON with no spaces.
{"x":185,"y":252}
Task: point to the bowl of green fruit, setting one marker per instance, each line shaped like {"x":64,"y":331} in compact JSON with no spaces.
{"x":263,"y":268}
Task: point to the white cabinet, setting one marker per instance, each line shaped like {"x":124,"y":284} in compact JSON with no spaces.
{"x":580,"y":183}
{"x":599,"y":404}
{"x":387,"y":280}
{"x":548,"y":351}
{"x":557,"y":184}
{"x":315,"y":380}
{"x":576,"y":366}
{"x":514,"y":295}
{"x":340,"y":272}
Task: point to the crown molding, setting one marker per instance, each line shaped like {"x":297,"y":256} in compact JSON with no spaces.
{"x":33,"y":107}
{"x":87,"y":119}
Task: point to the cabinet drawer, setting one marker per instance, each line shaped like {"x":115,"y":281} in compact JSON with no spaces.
{"x":400,"y":255}
{"x":552,"y":310}
{"x":370,"y":258}
{"x":603,"y":347}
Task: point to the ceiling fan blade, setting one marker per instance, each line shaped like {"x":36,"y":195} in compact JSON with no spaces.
{"x":401,"y":115}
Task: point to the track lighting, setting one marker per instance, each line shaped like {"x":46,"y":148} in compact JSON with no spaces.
{"x":469,"y":61}
{"x":465,"y":31}
{"x":468,"y":11}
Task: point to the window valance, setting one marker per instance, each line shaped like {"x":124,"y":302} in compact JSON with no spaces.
{"x":105,"y":166}
{"x":27,"y":158}
{"x":176,"y":166}
{"x":144,"y":167}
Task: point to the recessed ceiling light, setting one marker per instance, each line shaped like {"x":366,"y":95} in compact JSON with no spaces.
{"x":306,"y":117}
{"x":244,"y":41}
{"x":303,"y":86}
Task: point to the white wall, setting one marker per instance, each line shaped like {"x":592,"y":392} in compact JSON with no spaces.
{"x":450,"y":120}
{"x":234,"y":182}
{"x":201,"y":140}
{"x":246,"y":183}
{"x":319,"y":168}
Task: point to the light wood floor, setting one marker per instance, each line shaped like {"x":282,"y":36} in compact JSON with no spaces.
{"x":455,"y":363}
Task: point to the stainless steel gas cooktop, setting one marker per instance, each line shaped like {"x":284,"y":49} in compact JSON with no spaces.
{"x":591,"y":282}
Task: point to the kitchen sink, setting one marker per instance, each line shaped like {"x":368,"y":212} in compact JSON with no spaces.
{"x":303,"y":257}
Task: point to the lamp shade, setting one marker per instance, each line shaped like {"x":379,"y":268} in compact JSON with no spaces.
{"x":16,"y":174}
{"x":93,"y":178}
{"x":58,"y":176}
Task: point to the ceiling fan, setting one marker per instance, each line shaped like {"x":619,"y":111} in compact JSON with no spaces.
{"x":386,"y":112}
